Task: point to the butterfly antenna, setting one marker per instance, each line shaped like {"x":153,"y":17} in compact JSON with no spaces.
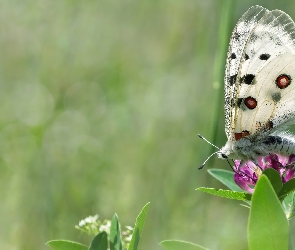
{"x":208,"y":141}
{"x":207,"y":160}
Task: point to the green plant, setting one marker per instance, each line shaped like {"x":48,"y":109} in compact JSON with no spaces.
{"x":108,"y":234}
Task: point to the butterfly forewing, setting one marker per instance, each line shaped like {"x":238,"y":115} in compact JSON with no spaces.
{"x":261,"y":104}
{"x":235,"y":56}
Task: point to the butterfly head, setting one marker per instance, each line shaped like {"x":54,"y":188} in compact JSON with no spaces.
{"x":240,"y":149}
{"x":226,"y":151}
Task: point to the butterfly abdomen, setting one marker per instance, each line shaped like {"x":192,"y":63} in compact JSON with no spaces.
{"x":280,"y":144}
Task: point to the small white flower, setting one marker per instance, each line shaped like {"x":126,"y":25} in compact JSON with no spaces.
{"x":88,"y":220}
{"x":129,"y":228}
{"x":128,"y":238}
{"x":91,"y":219}
{"x":82,"y":223}
{"x":95,"y":217}
{"x":105,"y":227}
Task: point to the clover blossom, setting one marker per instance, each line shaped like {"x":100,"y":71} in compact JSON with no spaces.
{"x":247,"y":174}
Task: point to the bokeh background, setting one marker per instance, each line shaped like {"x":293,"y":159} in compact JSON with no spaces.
{"x":100,"y":106}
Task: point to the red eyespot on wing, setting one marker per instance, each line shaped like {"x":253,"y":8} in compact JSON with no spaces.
{"x":250,"y":102}
{"x":239,"y":136}
{"x":283,"y":81}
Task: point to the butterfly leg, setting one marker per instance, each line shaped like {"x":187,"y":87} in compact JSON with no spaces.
{"x":241,"y":173}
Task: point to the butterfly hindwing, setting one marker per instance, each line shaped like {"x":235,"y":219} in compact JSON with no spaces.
{"x":274,"y":106}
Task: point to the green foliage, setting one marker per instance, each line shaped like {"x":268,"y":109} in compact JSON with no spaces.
{"x":289,"y":205}
{"x":226,"y":193}
{"x":180,"y":245}
{"x":65,"y":245}
{"x":139,"y":224}
{"x":100,"y":242}
{"x":268,"y":226}
{"x":226,"y":177}
{"x":274,"y":178}
{"x":115,"y":234}
{"x":287,"y":188}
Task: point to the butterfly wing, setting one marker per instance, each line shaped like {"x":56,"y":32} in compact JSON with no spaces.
{"x":235,"y":54}
{"x":262,"y":97}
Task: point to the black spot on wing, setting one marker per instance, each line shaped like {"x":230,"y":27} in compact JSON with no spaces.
{"x":232,"y":79}
{"x":269,"y":124}
{"x":236,"y":36}
{"x":264,"y":56}
{"x":276,"y":96}
{"x":247,"y":79}
{"x":233,"y":56}
{"x":239,"y":102}
{"x":264,"y":127}
{"x":246,"y":57}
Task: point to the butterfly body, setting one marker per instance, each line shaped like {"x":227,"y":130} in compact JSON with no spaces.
{"x":259,"y":86}
{"x":244,"y":149}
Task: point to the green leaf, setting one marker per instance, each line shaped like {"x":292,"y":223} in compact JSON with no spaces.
{"x":100,"y":242}
{"x":180,"y":245}
{"x":242,"y":196}
{"x":226,"y":177}
{"x":289,"y":205}
{"x":115,"y":234}
{"x":274,"y":178}
{"x":65,"y":245}
{"x":287,"y":188}
{"x":139,"y":224}
{"x":268,"y":226}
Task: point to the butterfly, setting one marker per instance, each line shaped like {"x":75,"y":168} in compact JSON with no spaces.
{"x":259,"y":95}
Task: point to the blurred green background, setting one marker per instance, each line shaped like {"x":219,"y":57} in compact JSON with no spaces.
{"x":101,"y":104}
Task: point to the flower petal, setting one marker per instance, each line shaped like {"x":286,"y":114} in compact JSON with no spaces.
{"x":247,"y":173}
{"x":242,"y":183}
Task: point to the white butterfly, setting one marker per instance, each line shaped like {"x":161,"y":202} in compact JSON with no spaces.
{"x":259,"y":87}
